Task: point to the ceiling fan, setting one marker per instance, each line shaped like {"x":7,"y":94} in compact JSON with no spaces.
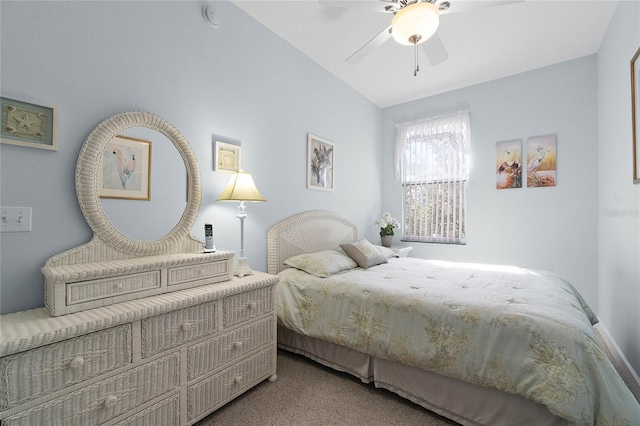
{"x":414,"y":22}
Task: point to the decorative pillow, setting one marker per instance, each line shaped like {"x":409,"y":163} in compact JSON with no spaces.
{"x":322,"y":264}
{"x":387,"y":252}
{"x":364,"y":253}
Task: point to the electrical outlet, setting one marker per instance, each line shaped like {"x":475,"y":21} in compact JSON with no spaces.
{"x":15,"y":219}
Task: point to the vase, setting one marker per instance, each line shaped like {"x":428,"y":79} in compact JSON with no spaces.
{"x":386,"y":240}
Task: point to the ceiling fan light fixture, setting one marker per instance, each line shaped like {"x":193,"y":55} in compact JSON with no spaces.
{"x":415,"y":23}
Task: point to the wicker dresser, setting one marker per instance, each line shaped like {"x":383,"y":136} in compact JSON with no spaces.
{"x":169,"y":359}
{"x":77,"y":287}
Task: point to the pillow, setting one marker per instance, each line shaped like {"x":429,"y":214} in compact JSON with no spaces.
{"x":387,"y":252}
{"x":322,"y":264}
{"x":364,"y":253}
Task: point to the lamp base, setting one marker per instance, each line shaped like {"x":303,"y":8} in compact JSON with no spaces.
{"x":242,"y":268}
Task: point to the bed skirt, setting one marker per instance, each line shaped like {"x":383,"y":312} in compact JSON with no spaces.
{"x":465,"y":403}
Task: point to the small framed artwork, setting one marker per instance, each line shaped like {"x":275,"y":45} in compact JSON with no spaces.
{"x":509,"y":164}
{"x":320,"y":163}
{"x":541,"y":161}
{"x":125,"y":169}
{"x":227,"y":157}
{"x":28,"y":124}
{"x":635,"y":114}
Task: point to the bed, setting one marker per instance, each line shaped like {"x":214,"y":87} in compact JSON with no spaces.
{"x":472,"y":343}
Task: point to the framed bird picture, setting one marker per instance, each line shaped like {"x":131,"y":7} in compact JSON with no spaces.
{"x":125,"y":171}
{"x":541,"y":161}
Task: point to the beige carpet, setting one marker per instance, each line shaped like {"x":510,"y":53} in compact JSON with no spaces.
{"x":307,"y":393}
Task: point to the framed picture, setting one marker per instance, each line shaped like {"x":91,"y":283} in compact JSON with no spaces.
{"x":320,"y":163}
{"x":125,"y":169}
{"x":227,"y":157}
{"x":28,"y":124}
{"x":509,"y":164}
{"x":541,"y":161}
{"x":635,"y":114}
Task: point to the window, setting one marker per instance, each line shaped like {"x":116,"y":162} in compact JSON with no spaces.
{"x":432,"y":159}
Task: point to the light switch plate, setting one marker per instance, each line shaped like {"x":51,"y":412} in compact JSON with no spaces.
{"x":15,"y":219}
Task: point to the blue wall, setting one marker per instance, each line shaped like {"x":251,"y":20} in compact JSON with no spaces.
{"x":95,"y":59}
{"x":545,"y":228}
{"x":618,"y":198}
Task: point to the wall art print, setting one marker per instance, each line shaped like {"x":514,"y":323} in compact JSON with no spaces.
{"x":320,"y":163}
{"x":509,"y":164}
{"x":541,"y":161}
{"x":125,"y":169}
{"x":28,"y":124}
{"x":226,"y":157}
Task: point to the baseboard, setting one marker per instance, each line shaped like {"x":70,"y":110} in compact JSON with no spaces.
{"x":624,"y":368}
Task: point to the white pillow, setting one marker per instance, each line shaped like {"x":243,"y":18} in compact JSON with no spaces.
{"x":364,"y":253}
{"x":387,"y":252}
{"x":322,"y":264}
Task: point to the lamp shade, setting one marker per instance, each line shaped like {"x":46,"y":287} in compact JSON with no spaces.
{"x":241,"y":188}
{"x":415,"y":23}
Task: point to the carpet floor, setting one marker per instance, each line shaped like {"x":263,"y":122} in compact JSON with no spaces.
{"x":307,"y":393}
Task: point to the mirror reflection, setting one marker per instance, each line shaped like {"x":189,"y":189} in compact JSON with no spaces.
{"x":140,"y":219}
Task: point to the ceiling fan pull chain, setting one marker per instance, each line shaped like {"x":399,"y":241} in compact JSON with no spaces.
{"x":417,"y":68}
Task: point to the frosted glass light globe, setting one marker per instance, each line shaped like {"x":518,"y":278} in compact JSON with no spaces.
{"x":418,"y":19}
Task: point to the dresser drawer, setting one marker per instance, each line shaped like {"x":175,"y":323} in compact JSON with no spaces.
{"x":107,"y":399}
{"x":244,"y":306}
{"x":163,"y":413}
{"x":216,"y":390}
{"x":86,"y":291}
{"x":219,"y":269}
{"x":50,"y":368}
{"x":172,"y":329}
{"x":213,"y":353}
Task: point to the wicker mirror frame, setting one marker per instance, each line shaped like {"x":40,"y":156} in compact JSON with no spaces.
{"x":87,"y":167}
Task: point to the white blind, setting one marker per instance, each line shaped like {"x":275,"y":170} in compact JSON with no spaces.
{"x":432,"y":162}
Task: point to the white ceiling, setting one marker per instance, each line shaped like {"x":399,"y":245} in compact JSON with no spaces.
{"x":483,"y":43}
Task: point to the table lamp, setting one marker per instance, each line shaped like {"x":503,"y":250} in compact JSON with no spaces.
{"x":241,"y":188}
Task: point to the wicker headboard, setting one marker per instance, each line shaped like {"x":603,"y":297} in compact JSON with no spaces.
{"x":307,"y":232}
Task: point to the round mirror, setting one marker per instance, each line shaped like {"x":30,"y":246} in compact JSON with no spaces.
{"x":160,"y":167}
{"x":89,"y":175}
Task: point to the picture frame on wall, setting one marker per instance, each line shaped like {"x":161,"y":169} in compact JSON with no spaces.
{"x":320,"y":163}
{"x":541,"y":161}
{"x":227,"y":157}
{"x":27,"y":124}
{"x":509,"y":164}
{"x":635,"y":114}
{"x":125,"y":169}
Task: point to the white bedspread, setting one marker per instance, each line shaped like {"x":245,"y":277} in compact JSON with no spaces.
{"x":521,"y":331}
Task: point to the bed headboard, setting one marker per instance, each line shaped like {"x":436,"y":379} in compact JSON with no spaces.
{"x":307,"y":232}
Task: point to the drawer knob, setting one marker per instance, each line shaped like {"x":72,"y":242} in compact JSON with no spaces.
{"x":237,"y":380}
{"x":253,"y":305}
{"x":76,"y":363}
{"x":237,"y":345}
{"x":187,"y":326}
{"x":200,"y":271}
{"x":119,"y":286}
{"x":110,"y":401}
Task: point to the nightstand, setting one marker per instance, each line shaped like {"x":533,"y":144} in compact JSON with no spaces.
{"x":402,"y":251}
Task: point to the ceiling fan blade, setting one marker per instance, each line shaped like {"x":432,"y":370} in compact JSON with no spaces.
{"x":371,"y":45}
{"x":435,"y":50}
{"x":370,"y":5}
{"x":457,"y":6}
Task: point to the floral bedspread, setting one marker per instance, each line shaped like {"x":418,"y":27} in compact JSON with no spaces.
{"x":521,"y":331}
